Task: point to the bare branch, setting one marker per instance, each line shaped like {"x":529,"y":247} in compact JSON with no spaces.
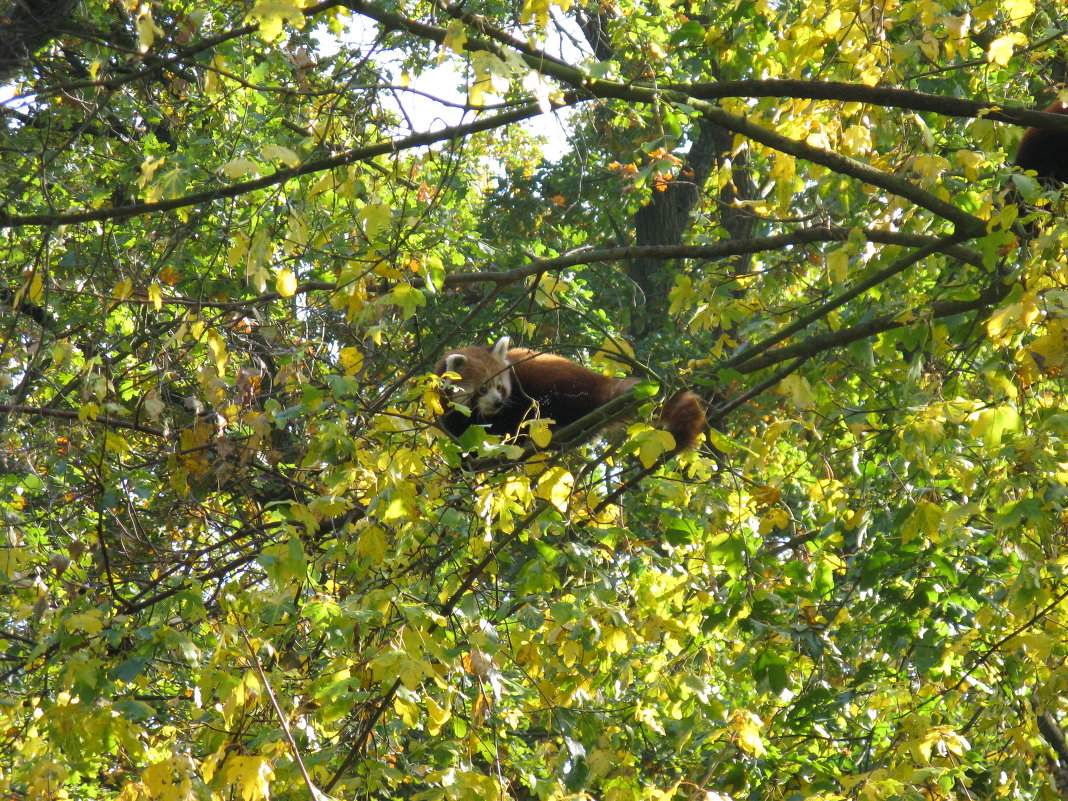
{"x":72,"y":415}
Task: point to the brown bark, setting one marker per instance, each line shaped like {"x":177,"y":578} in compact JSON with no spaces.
{"x":669,"y":214}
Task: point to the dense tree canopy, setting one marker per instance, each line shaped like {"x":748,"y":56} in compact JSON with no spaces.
{"x":239,"y":559}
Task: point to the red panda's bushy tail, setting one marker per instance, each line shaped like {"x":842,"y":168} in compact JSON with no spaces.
{"x":684,"y":416}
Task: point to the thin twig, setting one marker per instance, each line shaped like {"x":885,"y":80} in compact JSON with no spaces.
{"x":313,"y":792}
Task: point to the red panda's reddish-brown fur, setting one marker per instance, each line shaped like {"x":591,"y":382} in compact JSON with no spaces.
{"x":505,"y":386}
{"x":1045,"y":151}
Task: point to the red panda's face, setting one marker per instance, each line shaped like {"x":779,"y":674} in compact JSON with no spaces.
{"x":485,"y":382}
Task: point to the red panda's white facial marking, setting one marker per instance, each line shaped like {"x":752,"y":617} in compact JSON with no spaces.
{"x":494,"y":393}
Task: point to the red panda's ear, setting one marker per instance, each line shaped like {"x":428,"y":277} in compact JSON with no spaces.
{"x":500,"y":350}
{"x":454,"y":361}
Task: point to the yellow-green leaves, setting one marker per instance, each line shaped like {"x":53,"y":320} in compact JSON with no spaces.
{"x":437,"y":716}
{"x":652,"y":443}
{"x":375,"y":218}
{"x":217,"y":347}
{"x":540,"y":432}
{"x":992,"y":425}
{"x":924,"y":521}
{"x":455,"y":36}
{"x":1019,"y":10}
{"x":405,"y":297}
{"x":249,"y":775}
{"x":171,"y":777}
{"x":492,"y":77}
{"x":256,"y":252}
{"x":798,"y":390}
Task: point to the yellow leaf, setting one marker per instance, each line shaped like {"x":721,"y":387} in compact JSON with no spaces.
{"x":372,"y":545}
{"x":36,"y":287}
{"x":1001,"y":49}
{"x":455,"y":36}
{"x":351,"y":360}
{"x":652,"y":444}
{"x":148,"y":170}
{"x":239,"y":168}
{"x":492,"y":77}
{"x":116,"y":443}
{"x":611,"y":348}
{"x":123,"y":289}
{"x":746,"y":726}
{"x":259,"y":251}
{"x":856,"y":140}
{"x":540,"y":433}
{"x":537,"y":10}
{"x":765,"y":495}
{"x":555,"y":486}
{"x":1018,"y":10}
{"x":147,"y":29}
{"x":799,"y":391}
{"x":925,"y":519}
{"x":251,"y":774}
{"x":90,"y":623}
{"x":774,"y":519}
{"x":409,"y":712}
{"x":375,"y":218}
{"x":171,"y":778}
{"x":211,"y":80}
{"x":155,"y":295}
{"x":298,"y":229}
{"x":990,"y":425}
{"x":285,"y":283}
{"x":282,"y":154}
{"x":217,"y":346}
{"x":238,"y":249}
{"x":437,"y":716}
{"x":272,"y":15}
{"x":601,"y":763}
{"x":407,"y":297}
{"x":1051,"y":349}
{"x":650,"y":717}
{"x":681,"y":293}
{"x":838,"y":265}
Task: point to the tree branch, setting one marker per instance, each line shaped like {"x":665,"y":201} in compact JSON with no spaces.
{"x":72,"y":415}
{"x":818,"y":343}
{"x":278,"y":177}
{"x":583,"y":83}
{"x":821,"y":311}
{"x":876,"y":96}
{"x":720,"y":250}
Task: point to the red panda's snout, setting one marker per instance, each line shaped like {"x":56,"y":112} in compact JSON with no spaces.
{"x":494,"y":395}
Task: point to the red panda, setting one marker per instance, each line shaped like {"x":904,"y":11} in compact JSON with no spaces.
{"x":1045,"y":151}
{"x":504,"y":386}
